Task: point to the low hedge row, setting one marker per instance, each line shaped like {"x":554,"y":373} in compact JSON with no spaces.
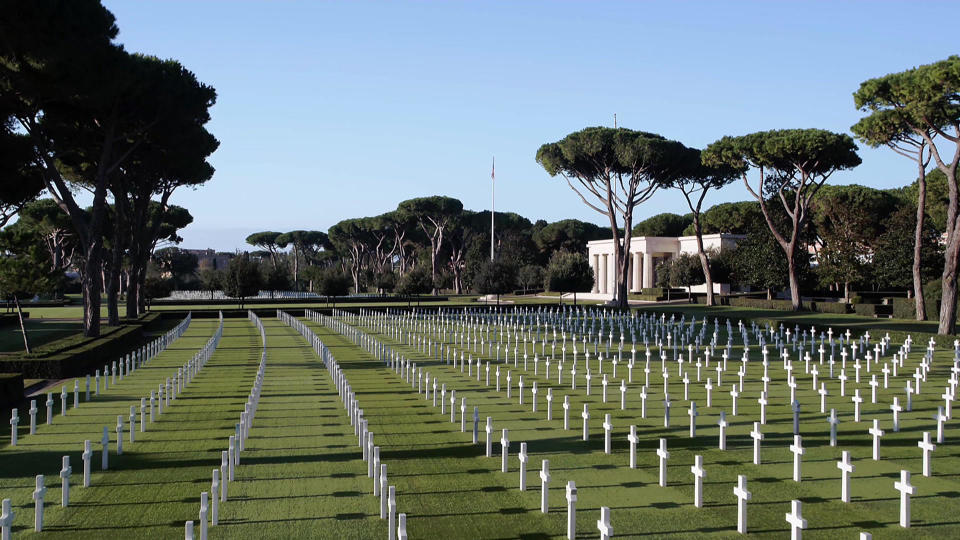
{"x":75,"y":356}
{"x":761,"y":303}
{"x":838,"y":308}
{"x":11,"y":388}
{"x":10,"y":319}
{"x":873,"y":310}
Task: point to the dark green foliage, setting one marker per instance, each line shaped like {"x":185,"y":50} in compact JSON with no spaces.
{"x":415,"y":281}
{"x":179,"y":264}
{"x":759,"y":263}
{"x":666,"y":224}
{"x":761,"y":303}
{"x":211,"y":280}
{"x":157,"y":287}
{"x":830,"y":307}
{"x":267,"y":241}
{"x":872,"y":310}
{"x":741,"y":217}
{"x":904,"y":308}
{"x":568,"y":234}
{"x":386,"y":281}
{"x":332,"y":282}
{"x":893,"y":252}
{"x":276,"y":278}
{"x":686,"y":271}
{"x":530,"y":277}
{"x":614,"y":171}
{"x":495,"y":277}
{"x":791,"y":166}
{"x":569,"y":272}
{"x":937,"y":198}
{"x":243,"y":278}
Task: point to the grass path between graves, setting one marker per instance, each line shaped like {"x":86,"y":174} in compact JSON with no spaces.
{"x":445,"y":485}
{"x":151,"y":489}
{"x":301,"y":473}
{"x":640,"y":507}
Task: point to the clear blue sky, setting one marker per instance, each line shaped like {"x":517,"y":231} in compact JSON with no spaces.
{"x":331,"y":110}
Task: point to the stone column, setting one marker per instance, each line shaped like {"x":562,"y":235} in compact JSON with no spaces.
{"x":602,"y":276}
{"x":637,"y":271}
{"x":648,"y":275}
{"x":596,"y":273}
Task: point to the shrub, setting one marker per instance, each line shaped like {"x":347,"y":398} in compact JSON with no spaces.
{"x":762,"y":303}
{"x":78,"y":355}
{"x":904,"y":308}
{"x":830,"y":307}
{"x":11,"y":388}
{"x":873,"y":310}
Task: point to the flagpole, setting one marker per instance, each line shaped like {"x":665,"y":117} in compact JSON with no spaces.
{"x":493,"y":181}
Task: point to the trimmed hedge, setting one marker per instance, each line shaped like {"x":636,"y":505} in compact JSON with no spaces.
{"x":11,"y":388}
{"x":904,"y":308}
{"x":873,"y":310}
{"x":839,"y":308}
{"x":75,"y":356}
{"x":762,"y":303}
{"x":11,"y":319}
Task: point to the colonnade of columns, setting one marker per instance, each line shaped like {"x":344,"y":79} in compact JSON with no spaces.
{"x":641,"y":271}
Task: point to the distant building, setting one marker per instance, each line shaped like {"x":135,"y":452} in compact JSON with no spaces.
{"x":208,"y":259}
{"x":646,"y":252}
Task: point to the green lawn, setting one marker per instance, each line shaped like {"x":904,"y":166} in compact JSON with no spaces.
{"x":39,"y":331}
{"x":301,"y":475}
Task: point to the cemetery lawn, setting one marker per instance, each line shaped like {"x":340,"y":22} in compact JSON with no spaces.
{"x":301,"y":474}
{"x":449,"y":488}
{"x":39,"y":332}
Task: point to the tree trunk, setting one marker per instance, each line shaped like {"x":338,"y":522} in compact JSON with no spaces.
{"x":23,"y":328}
{"x":133,"y":293}
{"x":707,"y":274}
{"x":92,"y":287}
{"x":296,"y":268}
{"x":433,"y":265}
{"x":113,"y":295}
{"x":948,"y":300}
{"x":794,"y":283}
{"x":918,"y":244}
{"x":769,"y":293}
{"x":846,"y":291}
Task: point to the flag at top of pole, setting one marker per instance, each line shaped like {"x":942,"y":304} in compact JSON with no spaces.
{"x":493,"y":181}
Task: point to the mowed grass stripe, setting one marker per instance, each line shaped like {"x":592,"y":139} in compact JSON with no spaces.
{"x":444,"y":483}
{"x":154,"y":487}
{"x":301,"y":474}
{"x":646,"y":508}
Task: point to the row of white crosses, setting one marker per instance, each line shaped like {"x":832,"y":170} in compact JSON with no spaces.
{"x":376,"y":469}
{"x":190,"y":368}
{"x":399,"y":365}
{"x":796,"y":448}
{"x":128,"y":364}
{"x":209,"y":514}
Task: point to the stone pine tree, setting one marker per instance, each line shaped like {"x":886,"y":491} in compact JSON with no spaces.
{"x":916,"y":113}
{"x":694,"y":182}
{"x":351,"y":238}
{"x":269,"y":242}
{"x":433,"y":215}
{"x":790,"y":166}
{"x":614,"y":170}
{"x":301,"y":243}
{"x":83,"y":105}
